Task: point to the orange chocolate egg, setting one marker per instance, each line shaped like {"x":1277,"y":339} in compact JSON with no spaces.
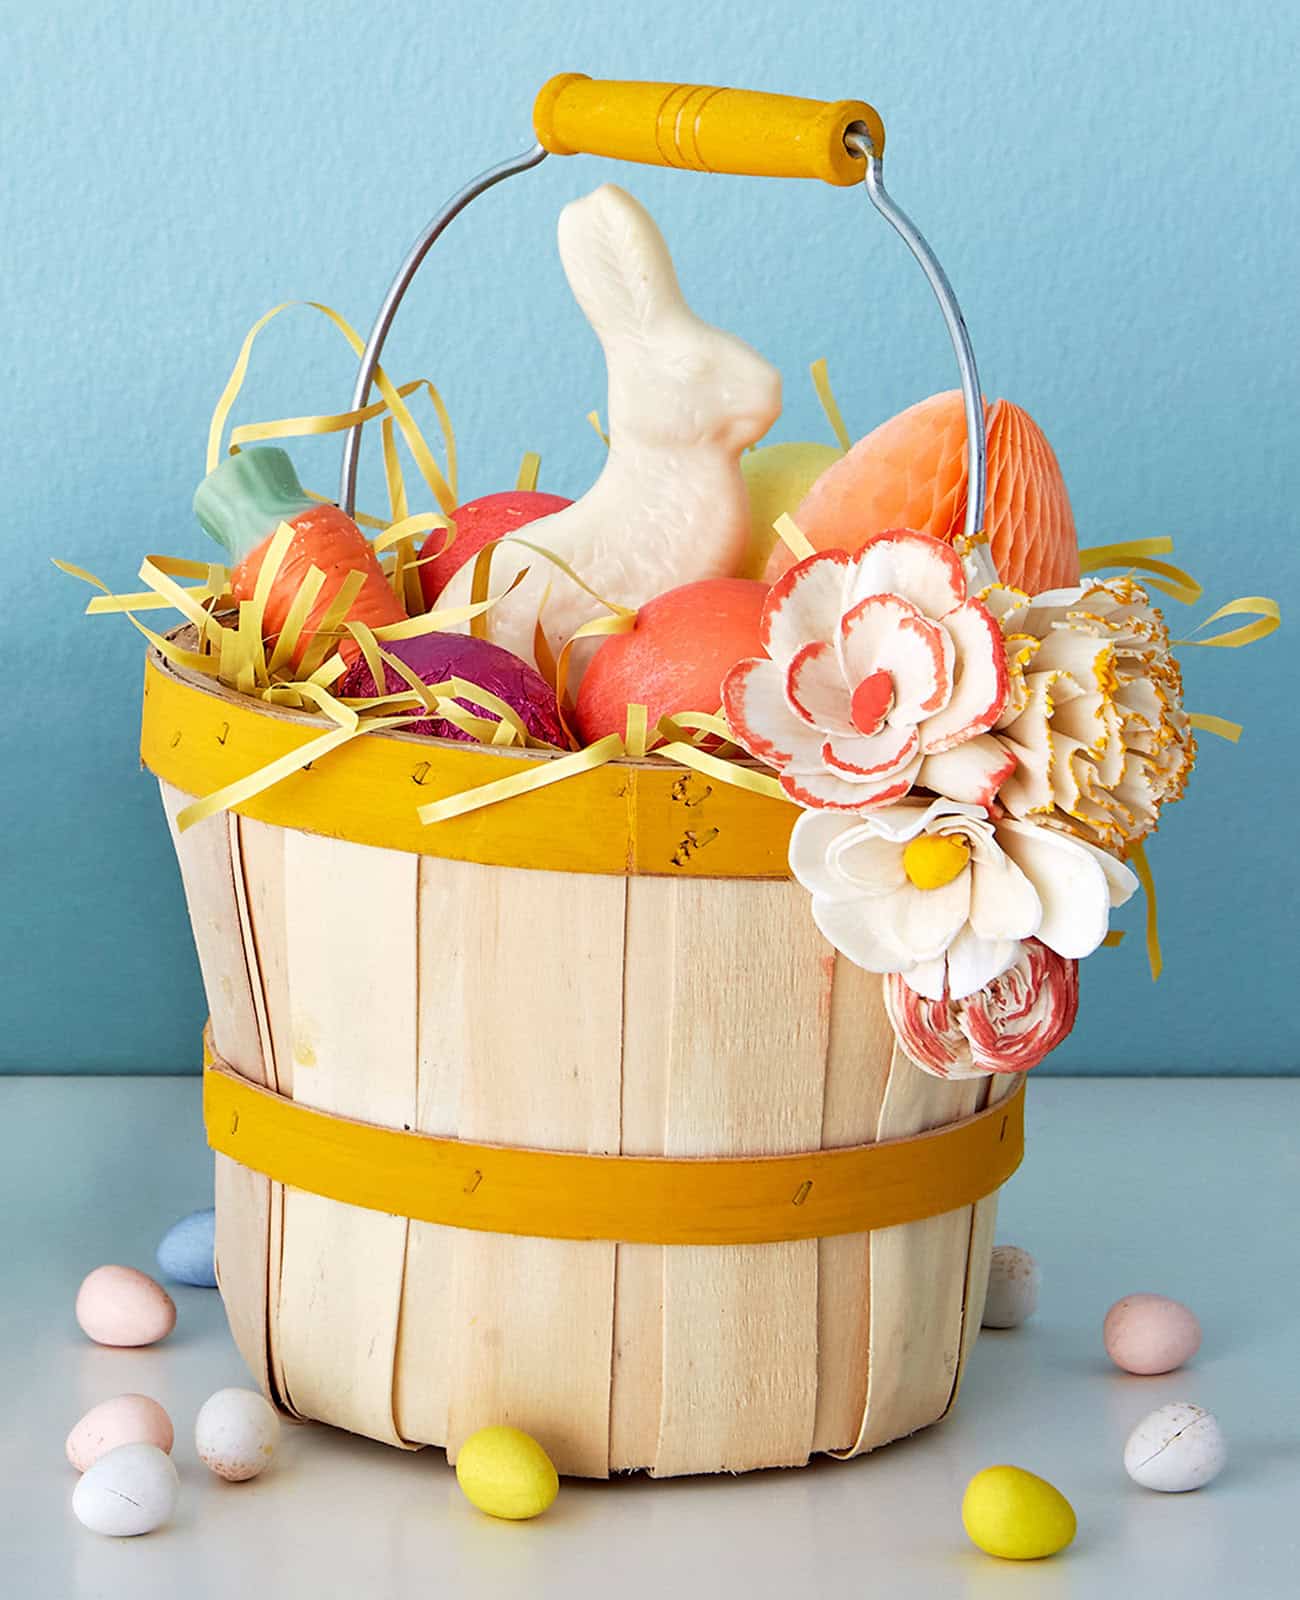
{"x":675,"y":658}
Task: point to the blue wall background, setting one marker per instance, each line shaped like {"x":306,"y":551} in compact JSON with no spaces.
{"x":1112,"y":189}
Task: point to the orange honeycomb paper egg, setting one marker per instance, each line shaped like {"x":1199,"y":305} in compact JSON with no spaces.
{"x":911,"y":473}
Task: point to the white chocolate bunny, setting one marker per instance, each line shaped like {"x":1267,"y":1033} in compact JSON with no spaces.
{"x":685,"y":399}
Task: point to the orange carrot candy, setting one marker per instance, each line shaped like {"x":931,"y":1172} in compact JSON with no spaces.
{"x":244,"y":500}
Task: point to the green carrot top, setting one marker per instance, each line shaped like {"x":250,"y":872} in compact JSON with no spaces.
{"x":243,"y":499}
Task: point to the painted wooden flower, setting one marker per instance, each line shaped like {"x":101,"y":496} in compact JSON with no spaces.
{"x":1094,"y":715}
{"x":945,"y":897}
{"x":881,"y":672}
{"x":1007,"y":1026}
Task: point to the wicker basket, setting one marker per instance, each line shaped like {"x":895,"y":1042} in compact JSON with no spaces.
{"x":660,"y":1010}
{"x":615,"y":966}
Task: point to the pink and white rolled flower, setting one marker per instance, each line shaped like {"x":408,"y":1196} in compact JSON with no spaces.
{"x":1007,"y":1026}
{"x":881,"y":672}
{"x":945,"y":897}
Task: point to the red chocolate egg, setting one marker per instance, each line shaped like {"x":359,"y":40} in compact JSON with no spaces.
{"x":478,"y":522}
{"x":675,"y":658}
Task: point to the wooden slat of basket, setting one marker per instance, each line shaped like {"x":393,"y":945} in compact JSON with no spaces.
{"x":745,"y":1077}
{"x":248,"y":945}
{"x":259,"y":851}
{"x":449,"y":893}
{"x":351,"y":935}
{"x":275,"y":1275}
{"x":243,"y":1201}
{"x":857,"y":1070}
{"x":533,"y":1318}
{"x":918,"y":1276}
{"x":203,"y":854}
{"x":636,"y":1386}
{"x":984,"y":1221}
{"x":257,"y":866}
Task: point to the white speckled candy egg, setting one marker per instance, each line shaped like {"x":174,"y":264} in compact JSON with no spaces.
{"x":130,"y":1490}
{"x":1149,"y":1333}
{"x":120,"y":1306}
{"x":126,"y":1419}
{"x":1013,"y":1287}
{"x":1176,"y":1448}
{"x":236,"y":1433}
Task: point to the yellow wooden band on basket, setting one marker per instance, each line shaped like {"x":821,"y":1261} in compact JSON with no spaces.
{"x":634,"y":1199}
{"x":704,"y":129}
{"x":624,"y":817}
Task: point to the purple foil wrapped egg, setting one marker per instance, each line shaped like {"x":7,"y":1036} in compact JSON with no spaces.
{"x":435,"y":657}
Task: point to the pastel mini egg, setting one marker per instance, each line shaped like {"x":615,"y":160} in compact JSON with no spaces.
{"x":186,"y":1251}
{"x":1017,"y":1515}
{"x":235,"y":1434}
{"x":1149,"y":1333}
{"x":125,"y":1419}
{"x":1176,"y":1448}
{"x":130,"y":1490}
{"x":120,"y":1306}
{"x":1013,"y":1287}
{"x":506,"y":1473}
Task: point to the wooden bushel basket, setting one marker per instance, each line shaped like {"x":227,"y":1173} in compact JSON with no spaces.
{"x":758,"y":1249}
{"x":647,"y":1009}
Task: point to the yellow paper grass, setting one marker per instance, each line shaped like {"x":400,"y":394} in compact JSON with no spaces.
{"x":229,"y":644}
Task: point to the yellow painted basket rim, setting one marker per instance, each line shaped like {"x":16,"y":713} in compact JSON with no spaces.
{"x":625,"y":817}
{"x":659,"y":1200}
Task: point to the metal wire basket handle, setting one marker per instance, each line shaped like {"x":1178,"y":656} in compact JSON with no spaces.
{"x":703,"y":129}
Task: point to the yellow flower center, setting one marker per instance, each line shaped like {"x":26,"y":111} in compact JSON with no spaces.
{"x":934,"y":859}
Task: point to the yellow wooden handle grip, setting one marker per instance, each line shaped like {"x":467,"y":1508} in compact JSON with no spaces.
{"x":703,"y":129}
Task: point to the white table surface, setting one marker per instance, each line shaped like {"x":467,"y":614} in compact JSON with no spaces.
{"x":1188,"y":1187}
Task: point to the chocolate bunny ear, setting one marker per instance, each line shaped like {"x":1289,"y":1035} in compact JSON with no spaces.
{"x":617,"y":263}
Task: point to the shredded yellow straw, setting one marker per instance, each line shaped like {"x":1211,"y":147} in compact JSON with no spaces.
{"x":228,"y":634}
{"x":228,"y":643}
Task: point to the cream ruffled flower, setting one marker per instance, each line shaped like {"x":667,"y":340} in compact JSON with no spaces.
{"x":1094,"y":716}
{"x":881,"y":672}
{"x":1008,"y":1026}
{"x":944,"y":896}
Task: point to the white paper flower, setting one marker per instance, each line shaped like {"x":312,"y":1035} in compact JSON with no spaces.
{"x":944,"y":896}
{"x":881,"y":672}
{"x":1095,"y":714}
{"x":1007,"y":1026}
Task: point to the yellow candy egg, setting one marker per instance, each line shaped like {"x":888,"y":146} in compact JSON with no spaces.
{"x":1014,"y":1514}
{"x":506,"y":1473}
{"x":778,"y":478}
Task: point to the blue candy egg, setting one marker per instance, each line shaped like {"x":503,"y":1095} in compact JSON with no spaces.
{"x":186,"y":1251}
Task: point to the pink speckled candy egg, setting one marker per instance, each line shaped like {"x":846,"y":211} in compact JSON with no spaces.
{"x":1149,"y":1333}
{"x":126,"y":1419}
{"x":120,"y":1306}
